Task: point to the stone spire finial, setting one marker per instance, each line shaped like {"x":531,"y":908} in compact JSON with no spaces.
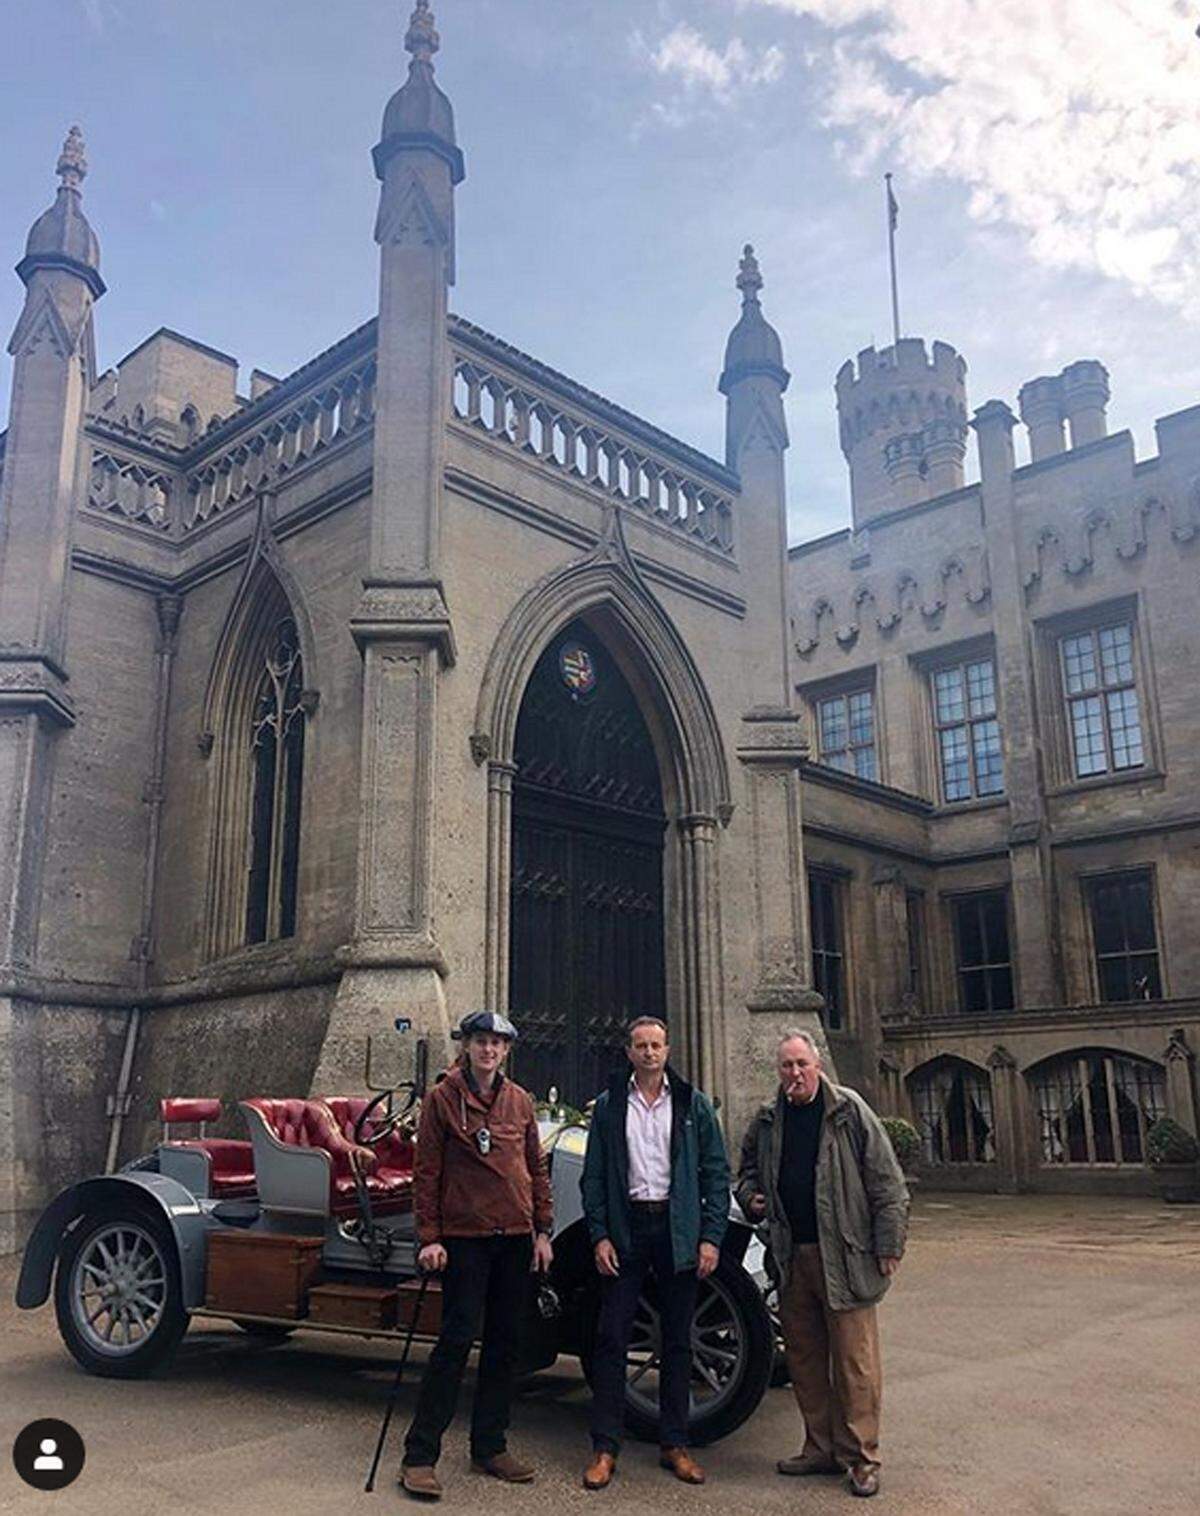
{"x":421,"y":39}
{"x":72,"y":164}
{"x":749,"y":279}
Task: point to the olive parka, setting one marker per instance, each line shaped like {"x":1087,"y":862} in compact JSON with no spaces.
{"x":861,"y":1196}
{"x":698,"y":1209}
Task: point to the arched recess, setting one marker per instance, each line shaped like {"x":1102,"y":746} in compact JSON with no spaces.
{"x":604,"y":590}
{"x":260,"y":690}
{"x":951,"y":1099}
{"x":1094,"y":1105}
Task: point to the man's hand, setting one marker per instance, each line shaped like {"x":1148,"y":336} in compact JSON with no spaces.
{"x":432,"y":1258}
{"x":707,"y":1262}
{"x":606,"y":1259}
{"x":888,"y":1265}
{"x":756,"y":1207}
{"x":543,"y":1255}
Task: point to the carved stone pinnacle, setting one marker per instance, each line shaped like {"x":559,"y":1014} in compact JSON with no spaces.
{"x":421,"y":39}
{"x":749,"y":279}
{"x":72,"y":164}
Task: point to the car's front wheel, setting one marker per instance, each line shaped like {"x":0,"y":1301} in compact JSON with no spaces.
{"x":118,"y":1295}
{"x":732,"y":1357}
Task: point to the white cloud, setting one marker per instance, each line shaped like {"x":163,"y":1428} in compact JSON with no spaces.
{"x":684,"y":57}
{"x":1076,"y":122}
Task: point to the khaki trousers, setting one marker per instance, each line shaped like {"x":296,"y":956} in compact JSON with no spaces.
{"x":833,"y":1358}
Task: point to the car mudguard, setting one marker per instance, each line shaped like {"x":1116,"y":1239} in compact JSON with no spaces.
{"x":188,"y":1222}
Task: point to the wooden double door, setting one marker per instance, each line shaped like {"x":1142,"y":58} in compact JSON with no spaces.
{"x":586,"y":905}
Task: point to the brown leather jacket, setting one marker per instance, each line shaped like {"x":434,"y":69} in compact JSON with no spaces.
{"x":459,"y":1191}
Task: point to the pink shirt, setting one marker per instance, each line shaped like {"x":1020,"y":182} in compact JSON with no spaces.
{"x":648,"y":1138}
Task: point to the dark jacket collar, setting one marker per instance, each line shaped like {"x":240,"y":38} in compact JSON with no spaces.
{"x":832,"y":1094}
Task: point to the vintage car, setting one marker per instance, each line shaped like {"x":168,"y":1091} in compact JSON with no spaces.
{"x":309,"y":1225}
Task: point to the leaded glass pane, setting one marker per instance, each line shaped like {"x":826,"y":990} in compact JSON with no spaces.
{"x":981,"y":688}
{"x":1087,"y":735}
{"x":956,"y":767}
{"x":989,"y":762}
{"x":1116,"y":655}
{"x":862,"y":721}
{"x":949,"y":699}
{"x":1079,"y":663}
{"x":864,"y":763}
{"x":1125,"y":726}
{"x":833,"y":726}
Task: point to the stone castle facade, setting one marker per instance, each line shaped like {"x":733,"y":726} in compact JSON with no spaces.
{"x":426,"y":678}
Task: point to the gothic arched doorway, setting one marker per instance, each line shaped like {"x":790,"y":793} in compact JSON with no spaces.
{"x":586,"y":903}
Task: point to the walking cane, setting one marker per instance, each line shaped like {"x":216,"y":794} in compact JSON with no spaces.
{"x":391,"y":1405}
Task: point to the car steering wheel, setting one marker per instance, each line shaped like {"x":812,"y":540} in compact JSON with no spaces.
{"x":388,"y":1124}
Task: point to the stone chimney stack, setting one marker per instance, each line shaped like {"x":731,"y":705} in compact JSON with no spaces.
{"x":1085,"y":400}
{"x":1078,"y":396}
{"x":1041,"y":405}
{"x":902,"y":419}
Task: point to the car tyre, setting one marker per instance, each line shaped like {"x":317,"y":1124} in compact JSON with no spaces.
{"x":740,"y":1317}
{"x":118,"y":1295}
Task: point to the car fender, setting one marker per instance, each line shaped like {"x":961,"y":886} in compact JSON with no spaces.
{"x":178,"y":1207}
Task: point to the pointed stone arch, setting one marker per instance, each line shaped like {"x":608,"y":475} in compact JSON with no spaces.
{"x":266,"y":598}
{"x":263,"y":565}
{"x":604,"y":589}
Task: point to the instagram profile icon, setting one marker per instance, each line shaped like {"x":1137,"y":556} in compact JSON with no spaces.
{"x":48,"y":1454}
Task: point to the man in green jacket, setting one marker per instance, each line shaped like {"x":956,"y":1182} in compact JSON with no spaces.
{"x":818,"y":1167}
{"x":656,"y":1196}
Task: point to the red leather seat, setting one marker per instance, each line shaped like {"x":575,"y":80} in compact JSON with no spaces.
{"x":311,"y":1124}
{"x":231,"y":1163}
{"x":389,"y":1183}
{"x":231,"y":1173}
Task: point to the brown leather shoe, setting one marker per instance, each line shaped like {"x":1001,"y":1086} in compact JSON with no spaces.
{"x":808,"y":1463}
{"x":504,"y":1466}
{"x":864,"y":1479}
{"x":600,"y":1471}
{"x":681,"y":1464}
{"x":420,"y":1480}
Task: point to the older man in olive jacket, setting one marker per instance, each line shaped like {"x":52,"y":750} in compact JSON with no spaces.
{"x":819,"y":1168}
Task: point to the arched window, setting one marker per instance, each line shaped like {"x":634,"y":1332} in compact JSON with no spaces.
{"x":1094,"y":1107}
{"x":953,"y":1105}
{"x":256,"y":720}
{"x":277,"y":771}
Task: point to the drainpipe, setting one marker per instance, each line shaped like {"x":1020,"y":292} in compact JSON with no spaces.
{"x":169,"y":608}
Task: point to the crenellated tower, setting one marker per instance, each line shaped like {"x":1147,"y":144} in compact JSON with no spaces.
{"x":902,"y":420}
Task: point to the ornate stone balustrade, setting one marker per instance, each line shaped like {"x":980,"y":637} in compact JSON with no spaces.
{"x":288,"y":437}
{"x":130,"y":490}
{"x":517,"y":404}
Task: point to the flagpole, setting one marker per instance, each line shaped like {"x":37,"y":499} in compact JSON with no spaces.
{"x":892,"y":216}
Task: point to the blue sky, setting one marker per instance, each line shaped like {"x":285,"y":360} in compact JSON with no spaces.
{"x":1047,"y":162}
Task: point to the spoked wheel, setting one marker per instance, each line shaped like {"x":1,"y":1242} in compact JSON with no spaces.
{"x":118,"y":1296}
{"x":732,"y":1353}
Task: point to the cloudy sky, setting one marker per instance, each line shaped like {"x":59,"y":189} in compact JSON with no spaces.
{"x":1046,"y":156}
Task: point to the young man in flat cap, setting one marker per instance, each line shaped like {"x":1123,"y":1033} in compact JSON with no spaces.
{"x":481,"y":1192}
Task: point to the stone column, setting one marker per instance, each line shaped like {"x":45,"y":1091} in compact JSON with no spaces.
{"x":44,"y":461}
{"x":394,"y":965}
{"x":772,"y":750}
{"x":1031,"y":893}
{"x":1007,"y":1116}
{"x":1181,"y":1082}
{"x":704,"y":1022}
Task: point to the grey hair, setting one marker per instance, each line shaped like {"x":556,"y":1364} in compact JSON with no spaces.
{"x":795,"y":1034}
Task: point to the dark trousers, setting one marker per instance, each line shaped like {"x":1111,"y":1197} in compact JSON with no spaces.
{"x":651,"y":1253}
{"x":486,"y":1278}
